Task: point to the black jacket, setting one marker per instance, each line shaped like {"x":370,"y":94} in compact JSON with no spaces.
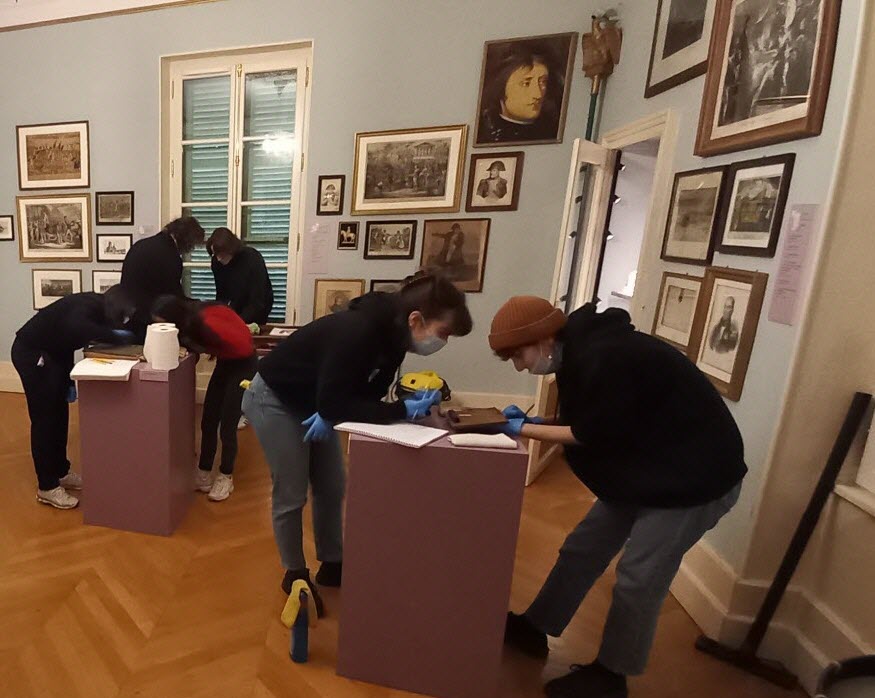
{"x":152,"y":268}
{"x":343,"y":364}
{"x":244,"y":285}
{"x":68,"y":324}
{"x":653,"y":431}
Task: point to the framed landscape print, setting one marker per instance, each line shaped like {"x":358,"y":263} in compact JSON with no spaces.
{"x":494,"y":182}
{"x":725,"y":326}
{"x":769,"y":73}
{"x":330,"y":201}
{"x":457,"y":249}
{"x":386,"y":285}
{"x":50,"y":285}
{"x":114,"y":207}
{"x":695,"y":205}
{"x":113,"y":248}
{"x":7,"y":228}
{"x":390,"y":239}
{"x":524,"y":86}
{"x":333,"y":295}
{"x":53,"y":156}
{"x":680,"y":43}
{"x":348,"y":236}
{"x":103,"y":280}
{"x":409,"y":171}
{"x":54,"y":228}
{"x":678,"y":298}
{"x":754,"y":207}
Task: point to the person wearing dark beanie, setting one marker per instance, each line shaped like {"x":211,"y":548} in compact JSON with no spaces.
{"x":651,"y":437}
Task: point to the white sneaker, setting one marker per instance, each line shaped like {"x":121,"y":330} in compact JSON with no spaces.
{"x":57,"y":498}
{"x":222,"y":488}
{"x":243,"y":423}
{"x":202,"y":480}
{"x":72,"y":481}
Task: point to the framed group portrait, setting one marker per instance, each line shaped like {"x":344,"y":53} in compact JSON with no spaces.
{"x":53,"y":156}
{"x":50,"y":285}
{"x":114,"y":207}
{"x":54,"y":228}
{"x":681,"y":39}
{"x":390,"y":239}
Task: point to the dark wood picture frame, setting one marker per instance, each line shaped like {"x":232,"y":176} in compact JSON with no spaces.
{"x":666,"y":275}
{"x":476,"y":287}
{"x":11,"y":237}
{"x":718,"y":204}
{"x":374,"y":282}
{"x":97,"y":241}
{"x":652,"y":89}
{"x":26,"y":255}
{"x":787,"y":160}
{"x":25,"y":184}
{"x":811,"y":124}
{"x":344,"y":246}
{"x":517,"y":155}
{"x":339,"y":211}
{"x":98,"y":220}
{"x":404,"y":255}
{"x":758,"y":281}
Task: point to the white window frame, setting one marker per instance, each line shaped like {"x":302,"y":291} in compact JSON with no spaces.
{"x":237,"y":63}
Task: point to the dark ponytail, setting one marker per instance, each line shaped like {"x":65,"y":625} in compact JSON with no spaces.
{"x":436,"y":298}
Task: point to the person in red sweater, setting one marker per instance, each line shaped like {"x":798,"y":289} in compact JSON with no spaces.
{"x":216,"y":330}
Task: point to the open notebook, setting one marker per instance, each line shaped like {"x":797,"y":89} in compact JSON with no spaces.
{"x":403,"y":434}
{"x":103,"y":370}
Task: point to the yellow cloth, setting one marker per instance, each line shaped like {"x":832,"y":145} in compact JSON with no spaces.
{"x":245,"y":384}
{"x":293,"y":605}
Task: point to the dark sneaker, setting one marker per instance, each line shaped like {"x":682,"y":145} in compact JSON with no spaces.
{"x":292,"y":576}
{"x":520,"y":634}
{"x":329,"y":574}
{"x":590,"y":681}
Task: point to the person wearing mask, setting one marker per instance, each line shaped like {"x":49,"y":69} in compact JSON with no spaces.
{"x":42,"y":353}
{"x":216,"y":330}
{"x":241,"y":277}
{"x":651,"y":437}
{"x":339,"y":368}
{"x":153,"y":267}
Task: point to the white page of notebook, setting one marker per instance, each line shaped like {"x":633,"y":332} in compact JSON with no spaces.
{"x":403,"y":434}
{"x":103,"y":369}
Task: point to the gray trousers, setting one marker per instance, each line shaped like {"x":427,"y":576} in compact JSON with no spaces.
{"x":295,"y":465}
{"x":655,"y":542}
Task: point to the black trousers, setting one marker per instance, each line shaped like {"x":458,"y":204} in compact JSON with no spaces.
{"x":46,"y":380}
{"x":222,"y":411}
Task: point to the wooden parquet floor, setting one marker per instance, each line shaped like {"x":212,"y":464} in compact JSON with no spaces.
{"x":96,"y":613}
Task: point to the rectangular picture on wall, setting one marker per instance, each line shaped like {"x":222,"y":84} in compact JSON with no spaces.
{"x":692,"y":218}
{"x":457,"y":248}
{"x":333,"y":295}
{"x":390,"y":239}
{"x":676,"y":309}
{"x":409,"y":171}
{"x":114,"y":207}
{"x":494,"y":182}
{"x":754,"y":208}
{"x":55,"y":228}
{"x":103,"y":280}
{"x":524,"y":87}
{"x":330,"y":195}
{"x":348,"y":236}
{"x":725,"y":326}
{"x":7,"y":228}
{"x":53,"y":156}
{"x":113,"y":248}
{"x":769,"y":73}
{"x":50,"y":285}
{"x":680,"y":43}
{"x":386,"y":285}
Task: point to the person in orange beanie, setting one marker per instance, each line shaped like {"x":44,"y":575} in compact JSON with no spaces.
{"x":651,"y":437}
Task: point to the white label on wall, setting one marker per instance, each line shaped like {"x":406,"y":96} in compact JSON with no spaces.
{"x":799,"y":226}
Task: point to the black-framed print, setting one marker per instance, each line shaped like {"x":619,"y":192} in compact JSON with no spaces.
{"x":331,"y":189}
{"x":114,"y":207}
{"x":696,"y":199}
{"x":390,"y":239}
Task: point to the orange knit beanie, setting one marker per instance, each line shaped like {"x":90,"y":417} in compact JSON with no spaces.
{"x":524,"y":320}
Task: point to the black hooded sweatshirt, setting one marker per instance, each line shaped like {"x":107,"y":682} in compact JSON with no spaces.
{"x":244,"y":284}
{"x":653,"y":430}
{"x":342,"y":365}
{"x":67,"y":325}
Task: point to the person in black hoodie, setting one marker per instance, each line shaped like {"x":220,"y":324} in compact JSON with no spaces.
{"x":339,"y":368}
{"x":42,"y":353}
{"x":241,"y":277}
{"x":651,"y":437}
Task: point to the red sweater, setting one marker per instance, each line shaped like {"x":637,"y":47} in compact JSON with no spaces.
{"x":235,"y":339}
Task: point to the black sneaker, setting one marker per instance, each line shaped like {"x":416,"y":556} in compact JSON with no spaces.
{"x":292,"y":576}
{"x":329,"y":574}
{"x":589,"y":681}
{"x":522,"y":635}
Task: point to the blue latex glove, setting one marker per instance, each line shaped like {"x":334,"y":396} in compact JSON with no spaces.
{"x":513,"y":427}
{"x":123,"y":336}
{"x":72,"y":395}
{"x":514,"y":412}
{"x":317,"y":428}
{"x":422,"y":401}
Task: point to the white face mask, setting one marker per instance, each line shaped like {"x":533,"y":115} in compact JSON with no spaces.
{"x":429,"y":345}
{"x":546,"y":365}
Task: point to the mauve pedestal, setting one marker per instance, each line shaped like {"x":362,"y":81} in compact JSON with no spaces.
{"x":138,"y":449}
{"x":428,"y":561}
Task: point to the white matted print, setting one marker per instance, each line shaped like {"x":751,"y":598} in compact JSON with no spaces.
{"x":695,"y":203}
{"x":723,"y":325}
{"x":50,"y":285}
{"x":681,"y":40}
{"x":53,"y":156}
{"x":113,"y":248}
{"x":678,"y":299}
{"x":101,"y":281}
{"x":494,"y":182}
{"x":334,"y":295}
{"x":55,"y":228}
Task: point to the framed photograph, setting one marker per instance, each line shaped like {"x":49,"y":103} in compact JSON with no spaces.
{"x":457,"y":248}
{"x":769,"y":72}
{"x":333,"y":295}
{"x":102,"y":280}
{"x":54,"y":228}
{"x":51,"y":284}
{"x":524,"y":86}
{"x":386,"y":285}
{"x":348,"y":235}
{"x":676,"y":309}
{"x":754,"y":208}
{"x":494,"y":182}
{"x":390,"y":239}
{"x":53,"y":156}
{"x":330,"y":195}
{"x":7,"y":228}
{"x":113,"y":248}
{"x":725,"y":326}
{"x":681,"y":39}
{"x":114,"y":207}
{"x":695,"y":207}
{"x":409,"y":171}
